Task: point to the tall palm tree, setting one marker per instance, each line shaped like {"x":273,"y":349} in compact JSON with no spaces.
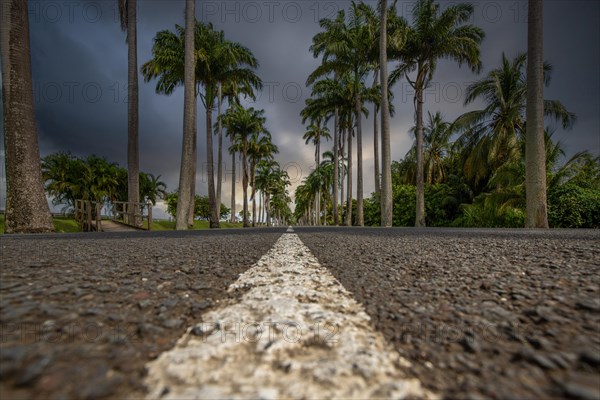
{"x":435,"y":35}
{"x":187,"y":174}
{"x":315,"y":133}
{"x":128,"y":17}
{"x":231,"y":91}
{"x":372,"y":30}
{"x":392,"y":36}
{"x":260,"y":147}
{"x":244,"y":122}
{"x":386,"y":156}
{"x":235,"y":148}
{"x":332,"y":97}
{"x":219,"y":143}
{"x":27,"y":209}
{"x":535,"y":182}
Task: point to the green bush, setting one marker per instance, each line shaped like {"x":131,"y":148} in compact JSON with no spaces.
{"x":488,"y":212}
{"x":572,"y":206}
{"x":439,"y":205}
{"x":372,"y":210}
{"x":404,"y":205}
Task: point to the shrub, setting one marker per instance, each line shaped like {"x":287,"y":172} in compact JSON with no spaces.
{"x":572,"y":206}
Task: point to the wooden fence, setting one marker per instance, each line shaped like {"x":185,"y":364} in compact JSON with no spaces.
{"x":132,"y":214}
{"x":88,"y":214}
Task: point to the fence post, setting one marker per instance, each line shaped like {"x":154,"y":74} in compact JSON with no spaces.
{"x":149,"y":216}
{"x":98,"y":217}
{"x":88,"y":215}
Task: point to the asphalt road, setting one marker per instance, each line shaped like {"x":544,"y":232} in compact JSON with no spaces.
{"x":478,"y":313}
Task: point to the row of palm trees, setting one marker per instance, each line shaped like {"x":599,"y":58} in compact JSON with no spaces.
{"x":219,"y":70}
{"x":195,"y":56}
{"x":349,"y":46}
{"x":253,"y":142}
{"x":216,"y":67}
{"x":207,"y":65}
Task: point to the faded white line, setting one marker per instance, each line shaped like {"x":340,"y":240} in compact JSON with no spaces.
{"x":290,"y":229}
{"x":295,"y":333}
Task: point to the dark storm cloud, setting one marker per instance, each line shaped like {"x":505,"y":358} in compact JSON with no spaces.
{"x":79,"y":50}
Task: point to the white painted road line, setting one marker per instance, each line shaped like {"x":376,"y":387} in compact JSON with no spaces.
{"x":290,"y":229}
{"x":295,"y":333}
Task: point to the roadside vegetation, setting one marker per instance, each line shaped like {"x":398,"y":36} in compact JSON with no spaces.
{"x":469,"y":172}
{"x":495,"y":167}
{"x":61,"y":224}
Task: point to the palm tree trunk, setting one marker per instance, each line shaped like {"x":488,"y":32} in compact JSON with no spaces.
{"x":324,"y":210}
{"x":349,"y":184}
{"x":245,"y":181}
{"x":318,"y":197}
{"x":192,"y":208}
{"x":191,"y":215}
{"x":133,"y":152}
{"x":344,"y":172}
{"x":253,"y":184}
{"x":212,"y":199}
{"x":260,"y":207}
{"x":220,"y":146}
{"x":335,"y":168}
{"x":386,"y":156}
{"x":27,"y":209}
{"x":535,"y":154}
{"x":420,"y":214}
{"x":233,"y":188}
{"x":189,"y":110}
{"x":360,"y":219}
{"x":376,"y":140}
{"x":268,"y":208}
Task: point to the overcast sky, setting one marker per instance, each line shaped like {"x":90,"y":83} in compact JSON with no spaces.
{"x":79,"y":58}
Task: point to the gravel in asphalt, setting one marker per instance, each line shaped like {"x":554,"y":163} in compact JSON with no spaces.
{"x":81,"y":314}
{"x":479,"y":313}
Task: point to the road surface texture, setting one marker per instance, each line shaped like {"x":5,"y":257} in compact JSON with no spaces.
{"x":337,"y":312}
{"x":480,"y":314}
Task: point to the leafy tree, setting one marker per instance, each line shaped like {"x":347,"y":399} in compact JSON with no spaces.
{"x":573,"y":206}
{"x":201,"y":207}
{"x":151,"y":188}
{"x":494,"y":135}
{"x":69,"y":178}
{"x":436,"y":152}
